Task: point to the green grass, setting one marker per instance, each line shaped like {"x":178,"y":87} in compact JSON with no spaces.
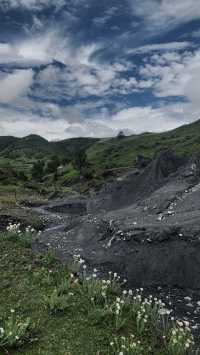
{"x":69,"y":173}
{"x":76,"y":316}
{"x":117,"y":153}
{"x":102,"y":155}
{"x":23,"y":287}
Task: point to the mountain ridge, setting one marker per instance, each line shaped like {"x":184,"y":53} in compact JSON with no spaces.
{"x":104,"y":154}
{"x":34,"y":136}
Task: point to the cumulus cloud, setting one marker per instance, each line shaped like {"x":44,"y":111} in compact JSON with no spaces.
{"x":35,"y":50}
{"x":147,"y":119}
{"x":176,"y":75}
{"x":15,"y":85}
{"x":83,"y":76}
{"x":167,"y":73}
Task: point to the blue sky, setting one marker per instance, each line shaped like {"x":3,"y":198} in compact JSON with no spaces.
{"x":73,"y":68}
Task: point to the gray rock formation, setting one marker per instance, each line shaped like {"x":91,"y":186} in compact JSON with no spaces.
{"x":145,"y":226}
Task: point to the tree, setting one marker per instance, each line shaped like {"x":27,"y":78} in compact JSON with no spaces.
{"x":121,"y":135}
{"x":38,"y":170}
{"x":21,"y":176}
{"x":80,"y":161}
{"x":52,"y":165}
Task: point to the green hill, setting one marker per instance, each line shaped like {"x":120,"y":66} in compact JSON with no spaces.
{"x":27,"y":146}
{"x":99,"y":156}
{"x":122,"y":152}
{"x":107,"y":153}
{"x":33,"y":145}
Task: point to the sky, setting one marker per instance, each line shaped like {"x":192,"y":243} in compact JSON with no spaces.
{"x":71,"y":68}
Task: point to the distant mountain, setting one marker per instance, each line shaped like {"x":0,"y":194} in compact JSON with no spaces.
{"x":109,"y":153}
{"x":33,"y":145}
{"x":6,"y":141}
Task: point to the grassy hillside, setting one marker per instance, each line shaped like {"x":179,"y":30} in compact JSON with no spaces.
{"x":36,"y":146}
{"x":122,"y":152}
{"x":97,"y":157}
{"x":105,"y":153}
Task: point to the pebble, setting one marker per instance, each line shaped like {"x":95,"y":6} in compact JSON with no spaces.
{"x":188,"y":298}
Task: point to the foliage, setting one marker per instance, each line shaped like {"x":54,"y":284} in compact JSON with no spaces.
{"x":127,"y":346}
{"x":121,"y":135}
{"x":52,"y":165}
{"x":179,"y":339}
{"x":80,"y":160}
{"x":25,"y":237}
{"x":57,"y":301}
{"x":14,"y":331}
{"x":38,"y":170}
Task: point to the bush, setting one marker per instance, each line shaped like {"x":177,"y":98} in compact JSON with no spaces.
{"x":24,"y":238}
{"x":14,"y":331}
{"x":180,"y":339}
{"x":57,"y":302}
{"x":126,"y":346}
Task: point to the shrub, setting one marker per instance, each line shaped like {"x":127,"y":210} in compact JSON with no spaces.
{"x":126,"y":346}
{"x":180,"y":339}
{"x":24,"y":237}
{"x":57,"y":302}
{"x":99,"y":291}
{"x":14,"y":331}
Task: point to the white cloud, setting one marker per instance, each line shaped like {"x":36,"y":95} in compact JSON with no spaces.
{"x":31,"y":4}
{"x":143,"y":119}
{"x":15,"y":84}
{"x":160,"y":47}
{"x":165,"y":14}
{"x":40,"y":49}
{"x":36,"y":50}
{"x":84,"y":76}
{"x":55,"y":122}
{"x":174,"y":75}
{"x":134,"y":120}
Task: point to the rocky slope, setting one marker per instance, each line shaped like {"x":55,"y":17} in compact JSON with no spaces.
{"x":146,"y":226}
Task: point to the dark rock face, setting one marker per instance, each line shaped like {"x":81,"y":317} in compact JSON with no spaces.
{"x":165,"y":164}
{"x":146,"y":227}
{"x":142,"y":162}
{"x":73,"y":206}
{"x":136,"y":187}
